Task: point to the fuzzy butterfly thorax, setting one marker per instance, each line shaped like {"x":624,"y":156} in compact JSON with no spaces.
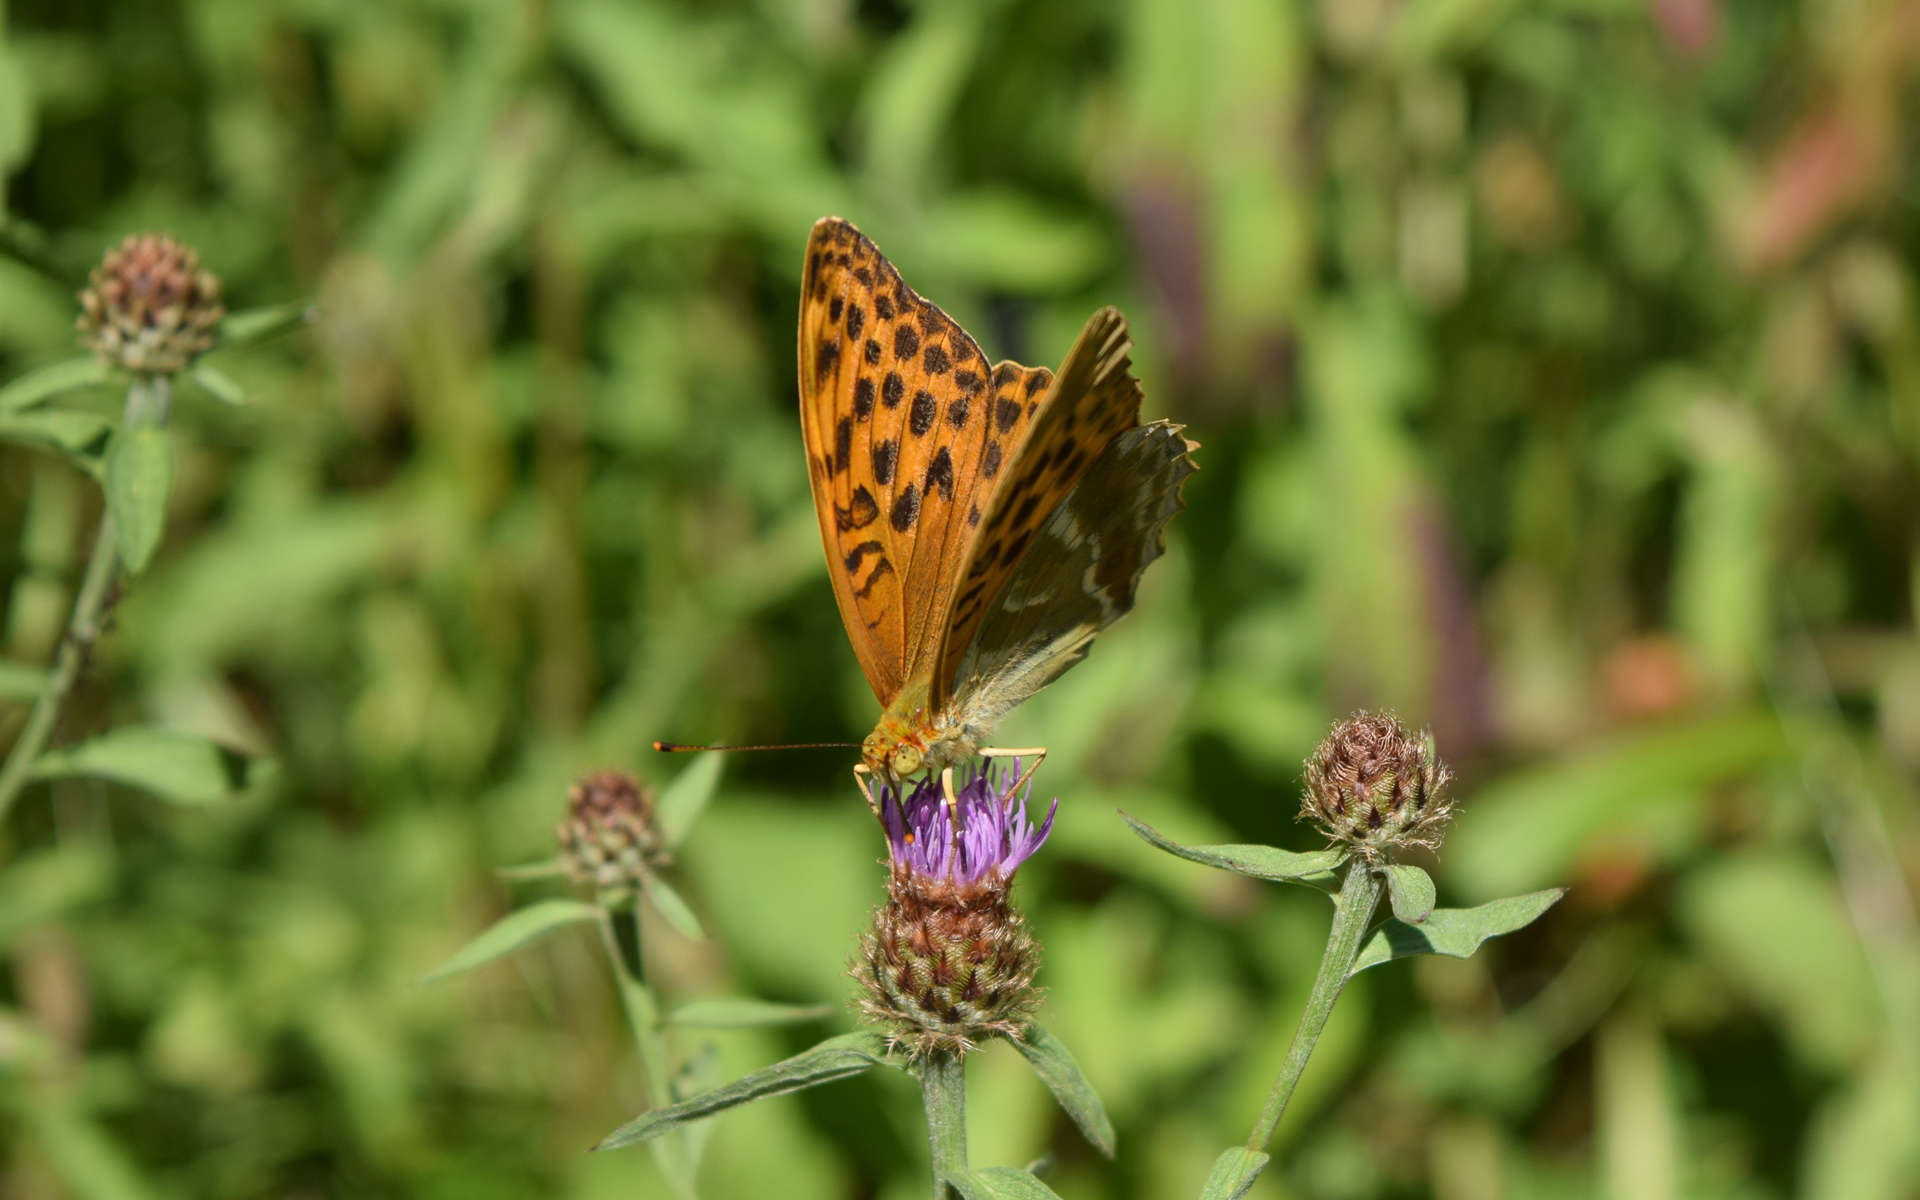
{"x":913,"y":736}
{"x":982,"y":522}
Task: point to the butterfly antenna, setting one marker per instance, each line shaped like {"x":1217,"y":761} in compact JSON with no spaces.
{"x":683,"y":747}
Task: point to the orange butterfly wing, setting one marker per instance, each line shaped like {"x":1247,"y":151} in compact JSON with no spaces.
{"x":907,"y":431}
{"x":1093,"y":400}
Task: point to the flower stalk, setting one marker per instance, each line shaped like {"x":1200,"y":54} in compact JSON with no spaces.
{"x":943,"y":1087}
{"x":148,"y":399}
{"x":1353,"y":913}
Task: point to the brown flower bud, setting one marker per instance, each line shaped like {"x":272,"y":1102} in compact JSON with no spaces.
{"x":149,"y":306}
{"x":610,"y":840}
{"x":1374,"y":786}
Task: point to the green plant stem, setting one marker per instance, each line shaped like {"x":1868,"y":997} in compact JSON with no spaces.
{"x":1352,"y":913}
{"x":148,"y":399}
{"x":643,"y":1021}
{"x":943,"y":1085}
{"x":76,"y":643}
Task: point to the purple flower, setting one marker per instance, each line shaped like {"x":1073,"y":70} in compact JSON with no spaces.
{"x":995,"y":834}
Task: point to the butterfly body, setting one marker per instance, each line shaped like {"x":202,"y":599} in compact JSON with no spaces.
{"x":913,"y":735}
{"x":982,"y":524}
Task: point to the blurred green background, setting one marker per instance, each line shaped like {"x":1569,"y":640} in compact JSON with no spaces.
{"x":1558,"y":372}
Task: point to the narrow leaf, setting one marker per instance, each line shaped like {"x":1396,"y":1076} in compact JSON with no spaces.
{"x":259,"y":324}
{"x":1001,"y":1183}
{"x":174,"y":766}
{"x":1411,"y":891}
{"x":44,"y":383}
{"x":218,"y":384}
{"x":1454,"y":932}
{"x":1233,"y":1173}
{"x":1057,"y":1069}
{"x":835,"y":1058}
{"x":1315,"y":869}
{"x":686,"y":797}
{"x":676,"y":911}
{"x":20,"y":682}
{"x":518,"y":928}
{"x":741,"y":1012}
{"x":79,"y":436}
{"x":139,"y":473}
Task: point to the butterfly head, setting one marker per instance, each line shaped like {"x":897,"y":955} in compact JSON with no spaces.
{"x":892,"y":754}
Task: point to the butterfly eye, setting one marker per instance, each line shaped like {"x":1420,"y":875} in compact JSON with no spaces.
{"x":906,"y":759}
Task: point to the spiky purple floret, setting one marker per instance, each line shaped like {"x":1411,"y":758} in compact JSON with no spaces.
{"x":995,"y":834}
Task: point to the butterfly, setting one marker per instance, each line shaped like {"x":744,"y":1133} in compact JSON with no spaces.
{"x":982,"y":523}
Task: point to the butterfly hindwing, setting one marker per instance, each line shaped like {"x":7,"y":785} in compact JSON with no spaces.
{"x":905,"y":437}
{"x":1079,"y":575}
{"x":1079,"y":413}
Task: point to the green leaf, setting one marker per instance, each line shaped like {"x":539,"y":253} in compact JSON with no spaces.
{"x":79,"y":436}
{"x":835,"y":1058}
{"x":20,"y":682}
{"x":1001,"y":1183}
{"x":1315,"y":868}
{"x":44,"y":383}
{"x":1454,"y":932}
{"x":174,"y":766}
{"x":139,"y":474}
{"x":259,"y":324}
{"x":683,"y":800}
{"x":1233,"y":1173}
{"x":518,"y":928}
{"x":675,"y":910}
{"x":1411,"y":891}
{"x":741,"y":1012}
{"x":218,"y":384}
{"x":1055,"y":1065}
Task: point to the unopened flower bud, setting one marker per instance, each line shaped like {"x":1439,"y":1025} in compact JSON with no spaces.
{"x":610,"y":841}
{"x":1375,"y":786}
{"x":948,"y":961}
{"x":149,"y":306}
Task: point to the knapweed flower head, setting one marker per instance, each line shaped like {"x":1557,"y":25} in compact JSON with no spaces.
{"x":610,"y":840}
{"x":149,"y":306}
{"x":948,"y":961}
{"x":1376,"y":786}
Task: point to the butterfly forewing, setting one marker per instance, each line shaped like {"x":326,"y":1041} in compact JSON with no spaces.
{"x":1092,"y":400}
{"x":906,"y":434}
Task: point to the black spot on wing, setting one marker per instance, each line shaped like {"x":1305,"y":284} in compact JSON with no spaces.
{"x":893,"y":390}
{"x":906,"y":341}
{"x":940,"y":475}
{"x":936,"y":359}
{"x":920,"y":418}
{"x":863,"y":397}
{"x":828,"y":359}
{"x":842,"y":444}
{"x":885,"y":454}
{"x":906,"y":508}
{"x":1006,"y":414}
{"x":881,"y":570}
{"x":860,"y":511}
{"x":958,"y":411}
{"x":856,"y":320}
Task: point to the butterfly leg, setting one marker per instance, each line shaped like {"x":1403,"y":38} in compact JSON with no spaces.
{"x":860,"y":773}
{"x":1037,"y":753}
{"x":953,"y":816}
